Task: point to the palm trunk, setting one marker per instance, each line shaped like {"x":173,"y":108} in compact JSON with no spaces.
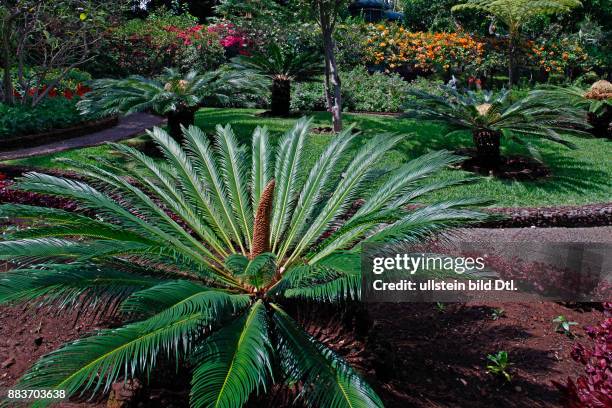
{"x":601,"y":123}
{"x":487,"y":144}
{"x":184,"y":117}
{"x":281,"y":97}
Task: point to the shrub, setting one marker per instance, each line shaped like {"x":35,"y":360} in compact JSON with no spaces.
{"x":51,"y":113}
{"x":361,"y":92}
{"x":147,"y":46}
{"x":395,"y":49}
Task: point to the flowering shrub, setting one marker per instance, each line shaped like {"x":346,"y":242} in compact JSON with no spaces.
{"x":394,"y":48}
{"x":557,"y":56}
{"x":594,"y":389}
{"x":234,"y":41}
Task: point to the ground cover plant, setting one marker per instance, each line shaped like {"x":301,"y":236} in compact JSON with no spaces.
{"x":202,"y":250}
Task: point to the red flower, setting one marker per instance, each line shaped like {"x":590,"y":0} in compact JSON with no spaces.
{"x":68,"y":94}
{"x":53,"y":93}
{"x":82,"y":89}
{"x":16,"y":94}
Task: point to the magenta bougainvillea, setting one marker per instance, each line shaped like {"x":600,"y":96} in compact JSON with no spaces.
{"x":231,"y":37}
{"x":594,"y":388}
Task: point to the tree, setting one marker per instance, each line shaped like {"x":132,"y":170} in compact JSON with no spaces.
{"x":491,"y":117}
{"x":514,"y":14}
{"x":327,"y":13}
{"x":281,"y":67}
{"x":44,"y":36}
{"x":202,"y":251}
{"x":172,"y":94}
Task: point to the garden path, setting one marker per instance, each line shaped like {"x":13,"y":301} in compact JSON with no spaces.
{"x":127,"y":127}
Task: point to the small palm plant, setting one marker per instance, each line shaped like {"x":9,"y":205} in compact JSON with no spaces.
{"x":281,"y":67}
{"x":199,"y":253}
{"x":172,"y":94}
{"x":489,"y":117}
{"x":596,"y":101}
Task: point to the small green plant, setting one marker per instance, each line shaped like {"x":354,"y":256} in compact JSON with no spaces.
{"x":498,"y":313}
{"x":440,"y":307}
{"x":499,"y":365}
{"x":563,"y":325}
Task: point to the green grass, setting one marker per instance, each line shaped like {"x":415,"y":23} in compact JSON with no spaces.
{"x":580,"y":176}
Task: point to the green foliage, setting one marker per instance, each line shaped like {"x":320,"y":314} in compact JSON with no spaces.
{"x":563,"y":325}
{"x":525,"y":117}
{"x":361,"y":91}
{"x":497,"y":313}
{"x":163,"y":39}
{"x":499,"y":365}
{"x":170,"y":92}
{"x":276,"y":63}
{"x":171,"y":247}
{"x":515,"y":13}
{"x":51,"y":113}
{"x":559,"y":96}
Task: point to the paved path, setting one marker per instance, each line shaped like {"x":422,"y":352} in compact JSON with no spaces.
{"x":128,"y":127}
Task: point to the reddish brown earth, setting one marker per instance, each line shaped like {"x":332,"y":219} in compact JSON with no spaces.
{"x":426,"y":357}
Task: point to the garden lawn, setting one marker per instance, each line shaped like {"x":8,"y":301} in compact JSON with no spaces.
{"x":580,"y":176}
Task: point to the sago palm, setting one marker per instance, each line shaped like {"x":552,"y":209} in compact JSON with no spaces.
{"x":172,"y":94}
{"x":281,"y":67}
{"x":489,"y":117}
{"x":596,"y":101}
{"x":514,"y":14}
{"x":199,"y":253}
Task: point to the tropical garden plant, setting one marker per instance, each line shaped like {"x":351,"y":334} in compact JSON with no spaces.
{"x":172,"y":94}
{"x":514,"y":14}
{"x":596,"y":101}
{"x":281,"y":67}
{"x":490,"y":116}
{"x":201,"y":252}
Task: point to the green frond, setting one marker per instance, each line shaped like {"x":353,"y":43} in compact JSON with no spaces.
{"x":65,"y":284}
{"x":328,"y":380}
{"x":347,"y":188}
{"x":286,"y":174}
{"x":233,"y":163}
{"x":233,"y":362}
{"x":261,"y":167}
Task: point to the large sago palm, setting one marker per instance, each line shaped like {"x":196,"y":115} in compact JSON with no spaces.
{"x":199,"y":254}
{"x":492,"y":117}
{"x":173,"y":94}
{"x":281,"y":68}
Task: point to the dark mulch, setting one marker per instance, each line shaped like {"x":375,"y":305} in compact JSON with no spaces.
{"x":590,"y":215}
{"x":510,"y":167}
{"x":415,"y":355}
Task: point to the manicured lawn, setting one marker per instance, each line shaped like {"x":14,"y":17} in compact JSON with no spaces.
{"x":580,"y":176}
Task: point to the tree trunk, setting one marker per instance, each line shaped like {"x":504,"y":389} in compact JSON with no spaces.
{"x":184,"y":117}
{"x":281,"y":97}
{"x":334,"y":94}
{"x":7,"y":82}
{"x":487,"y":146}
{"x":511,"y":60}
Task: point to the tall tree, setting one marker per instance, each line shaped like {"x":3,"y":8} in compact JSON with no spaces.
{"x":514,"y":14}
